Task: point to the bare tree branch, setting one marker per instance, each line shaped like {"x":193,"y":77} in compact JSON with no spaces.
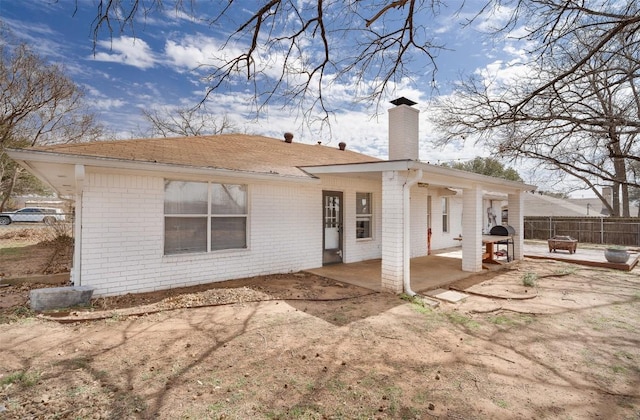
{"x":38,"y":105}
{"x":585,"y":124}
{"x":195,"y":121}
{"x":273,"y":42}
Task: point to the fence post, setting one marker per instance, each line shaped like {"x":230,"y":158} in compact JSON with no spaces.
{"x":602,"y":230}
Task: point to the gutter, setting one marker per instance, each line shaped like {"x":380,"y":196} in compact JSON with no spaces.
{"x":406,"y":221}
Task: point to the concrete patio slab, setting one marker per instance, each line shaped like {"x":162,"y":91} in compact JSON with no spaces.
{"x":427,"y":273}
{"x":445,"y":267}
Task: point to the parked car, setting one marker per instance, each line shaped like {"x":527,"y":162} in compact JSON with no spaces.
{"x":32,"y":214}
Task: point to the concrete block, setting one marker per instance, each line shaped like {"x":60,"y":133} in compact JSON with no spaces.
{"x":60,"y":297}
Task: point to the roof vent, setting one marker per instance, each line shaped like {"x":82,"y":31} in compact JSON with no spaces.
{"x":342,"y":145}
{"x":288,"y":137}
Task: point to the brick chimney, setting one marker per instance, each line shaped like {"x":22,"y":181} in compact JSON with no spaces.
{"x":403,"y":130}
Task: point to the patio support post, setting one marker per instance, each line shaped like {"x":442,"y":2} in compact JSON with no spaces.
{"x":472,"y":214}
{"x":76,"y":266}
{"x":516,"y":220}
{"x":392,"y":232}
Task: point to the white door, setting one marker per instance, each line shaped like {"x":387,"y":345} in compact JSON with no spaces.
{"x":332,"y":225}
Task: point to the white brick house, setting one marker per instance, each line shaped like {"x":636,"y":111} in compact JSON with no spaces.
{"x":154,"y":214}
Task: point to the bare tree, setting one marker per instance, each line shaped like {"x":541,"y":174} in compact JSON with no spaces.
{"x":584,"y":124}
{"x":554,"y":26}
{"x":367,"y":44}
{"x":168,"y":122}
{"x":39,"y":105}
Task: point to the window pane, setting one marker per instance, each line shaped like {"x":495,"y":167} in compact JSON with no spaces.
{"x":228,"y":233}
{"x":445,"y":214}
{"x":185,"y":234}
{"x":228,"y":199}
{"x":363,"y":203}
{"x":185,"y":197}
{"x":363,"y":227}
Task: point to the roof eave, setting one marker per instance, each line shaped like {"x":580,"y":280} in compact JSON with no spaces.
{"x":24,"y":156}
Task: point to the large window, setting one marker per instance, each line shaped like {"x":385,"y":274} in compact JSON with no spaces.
{"x":200,"y":216}
{"x":445,"y":214}
{"x":364,"y":216}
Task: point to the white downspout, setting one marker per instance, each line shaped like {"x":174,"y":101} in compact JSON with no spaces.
{"x":406,"y":222}
{"x":77,"y":227}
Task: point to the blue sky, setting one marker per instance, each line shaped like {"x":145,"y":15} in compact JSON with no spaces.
{"x":156,"y":65}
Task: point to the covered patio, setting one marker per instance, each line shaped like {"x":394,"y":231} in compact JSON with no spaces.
{"x":408,"y":189}
{"x":444,"y":267}
{"x":427,"y":272}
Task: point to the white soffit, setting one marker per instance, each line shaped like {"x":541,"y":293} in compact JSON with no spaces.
{"x":432,"y":174}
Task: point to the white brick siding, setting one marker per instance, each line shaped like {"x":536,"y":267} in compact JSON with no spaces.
{"x":392,"y":232}
{"x":123,"y":231}
{"x":123,"y":234}
{"x":403,"y":132}
{"x":472,"y":230}
{"x":455,"y":220}
{"x":419,"y":196}
{"x":440,"y":239}
{"x":516,"y":220}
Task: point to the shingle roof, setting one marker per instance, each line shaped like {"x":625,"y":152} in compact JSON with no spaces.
{"x":595,"y":206}
{"x":544,"y":205}
{"x":239,"y":152}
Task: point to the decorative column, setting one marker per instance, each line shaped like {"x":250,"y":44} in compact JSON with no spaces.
{"x":392,"y":232}
{"x":472,"y":213}
{"x":516,"y":220}
{"x":76,"y":265}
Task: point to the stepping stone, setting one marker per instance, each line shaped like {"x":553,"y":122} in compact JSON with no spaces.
{"x":447,"y":295}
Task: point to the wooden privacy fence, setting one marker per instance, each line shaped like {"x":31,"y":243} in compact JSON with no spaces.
{"x":595,"y":230}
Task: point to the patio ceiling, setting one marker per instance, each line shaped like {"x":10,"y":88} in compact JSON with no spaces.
{"x":433,"y":175}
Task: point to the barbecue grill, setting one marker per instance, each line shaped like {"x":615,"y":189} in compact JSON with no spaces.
{"x":504,"y":230}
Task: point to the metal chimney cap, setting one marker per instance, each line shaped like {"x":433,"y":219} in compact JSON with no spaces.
{"x":403,"y":101}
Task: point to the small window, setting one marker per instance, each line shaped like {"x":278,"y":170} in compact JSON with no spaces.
{"x":445,"y":214}
{"x":364,"y":216}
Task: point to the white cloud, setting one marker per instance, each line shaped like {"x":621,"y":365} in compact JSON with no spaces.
{"x":128,"y":51}
{"x":107,"y":104}
{"x":179,"y":16}
{"x":184,"y":55}
{"x":192,"y":51}
{"x":41,"y":38}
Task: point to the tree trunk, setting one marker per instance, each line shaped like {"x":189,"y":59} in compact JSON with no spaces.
{"x":626,"y":211}
{"x":9,"y":190}
{"x":615,"y":198}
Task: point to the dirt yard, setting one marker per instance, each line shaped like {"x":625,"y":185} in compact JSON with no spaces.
{"x":567,"y":346}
